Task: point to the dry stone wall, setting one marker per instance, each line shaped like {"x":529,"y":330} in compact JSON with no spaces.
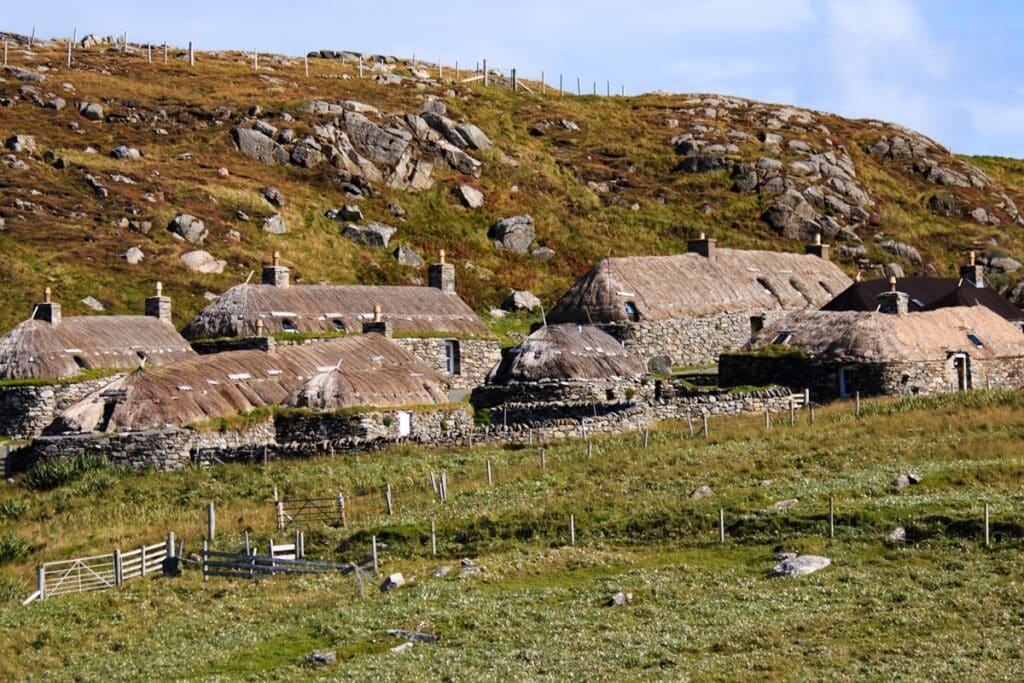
{"x":476,"y":356}
{"x":25,"y":411}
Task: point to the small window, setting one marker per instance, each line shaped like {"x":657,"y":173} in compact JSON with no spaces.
{"x":339,"y":325}
{"x":289,"y":325}
{"x":975,"y":340}
{"x":783,"y":337}
{"x":452,"y":357}
{"x":918,"y":303}
{"x":756,"y":323}
{"x":632,"y":312}
{"x":80,"y":362}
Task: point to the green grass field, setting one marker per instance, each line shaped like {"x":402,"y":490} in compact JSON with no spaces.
{"x":942,"y":606}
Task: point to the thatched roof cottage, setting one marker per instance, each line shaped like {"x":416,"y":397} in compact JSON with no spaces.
{"x":433,"y":322}
{"x":888,"y":351}
{"x":49,"y":361}
{"x":366,"y":371}
{"x":688,"y":308}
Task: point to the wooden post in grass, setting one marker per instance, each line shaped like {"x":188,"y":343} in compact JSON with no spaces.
{"x":341,"y":510}
{"x":767,"y":420}
{"x":444,"y":486}
{"x":810,"y":413}
{"x":124,"y":44}
{"x":456,"y":69}
{"x":191,"y":55}
{"x":486,"y":75}
{"x":559,"y":85}
{"x":706,"y":432}
{"x":647,"y":436}
{"x":490,"y":475}
{"x":607,"y":88}
{"x":515,"y":81}
{"x":149,"y":52}
{"x":433,"y":483}
{"x":165,"y":53}
{"x":433,"y":538}
{"x":721,"y":525}
{"x":856,"y":398}
{"x":831,"y":517}
{"x":792,"y":412}
{"x":280,"y":514}
{"x":203,"y":559}
{"x":987,"y":537}
{"x":255,"y":60}
{"x":373,"y":548}
{"x":590,"y":450}
{"x":142,"y":559}
{"x":530,"y":436}
{"x":170,"y":544}
{"x":41,"y":582}
{"x":300,"y":544}
{"x":32,"y":39}
{"x":118,"y":568}
{"x":689,"y":423}
{"x":211,"y":523}
{"x":572,"y":529}
{"x":5,"y":52}
{"x":69,"y":54}
{"x":387,"y":497}
{"x":579,"y":86}
{"x":305,"y":64}
{"x":543,"y":84}
{"x":247,"y":542}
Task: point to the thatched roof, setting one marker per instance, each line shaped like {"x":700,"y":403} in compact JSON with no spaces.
{"x":37,"y":349}
{"x":687,"y":285}
{"x":566,"y":352}
{"x":322,"y":308}
{"x":926,"y":294}
{"x":883,"y":337}
{"x":368,"y":370}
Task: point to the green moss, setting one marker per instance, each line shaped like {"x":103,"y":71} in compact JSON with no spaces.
{"x":83,"y":376}
{"x":774,"y":351}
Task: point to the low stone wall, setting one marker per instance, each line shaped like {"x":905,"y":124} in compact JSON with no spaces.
{"x":543,"y":391}
{"x":688,"y":341}
{"x":476,"y":357}
{"x":162,"y":450}
{"x":25,"y":411}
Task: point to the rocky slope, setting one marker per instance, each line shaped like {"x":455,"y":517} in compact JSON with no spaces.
{"x":119,"y":172}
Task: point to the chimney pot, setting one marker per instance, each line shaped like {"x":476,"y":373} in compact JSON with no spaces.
{"x":277,"y":258}
{"x":259,"y":327}
{"x":377,"y":317}
{"x":159,"y":288}
{"x":703,"y":245}
{"x":972,"y":257}
{"x":378,"y":325}
{"x":817,"y":238}
{"x":892,"y":283}
{"x":442,"y":257}
{"x":47,"y":295}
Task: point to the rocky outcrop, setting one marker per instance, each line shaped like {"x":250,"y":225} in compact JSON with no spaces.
{"x":188,"y":228}
{"x":371,"y":235}
{"x":255,"y":144}
{"x":200,"y":261}
{"x":513,"y":234}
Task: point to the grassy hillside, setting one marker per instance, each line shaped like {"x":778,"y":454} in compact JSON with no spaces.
{"x":609,"y":186}
{"x":942,"y":605}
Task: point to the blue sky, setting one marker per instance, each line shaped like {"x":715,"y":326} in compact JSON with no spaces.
{"x":952,"y":70}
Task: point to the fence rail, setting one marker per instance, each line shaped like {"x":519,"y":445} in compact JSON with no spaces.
{"x":310,"y":511}
{"x":250,"y":566}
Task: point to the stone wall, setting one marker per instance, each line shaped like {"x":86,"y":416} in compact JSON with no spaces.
{"x":545,"y":391}
{"x":162,"y":450}
{"x":477,"y":357}
{"x":26,"y":410}
{"x":688,"y":341}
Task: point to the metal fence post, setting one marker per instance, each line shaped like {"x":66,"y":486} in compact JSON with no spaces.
{"x":118,"y":576}
{"x":170,"y":544}
{"x":373,"y":542}
{"x":41,"y":581}
{"x":211,"y":523}
{"x":341,"y":510}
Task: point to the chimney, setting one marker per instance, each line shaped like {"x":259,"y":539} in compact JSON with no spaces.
{"x":442,"y":275}
{"x":972,"y":272}
{"x":276,"y":274}
{"x":893,"y":302}
{"x":817,"y":248}
{"x":47,"y":311}
{"x":261,"y":342}
{"x":702,"y":245}
{"x":159,"y":306}
{"x":378,"y":325}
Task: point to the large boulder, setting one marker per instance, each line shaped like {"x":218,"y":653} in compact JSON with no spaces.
{"x":275,"y":225}
{"x":701,"y":163}
{"x":521,"y":300}
{"x":133,"y":256}
{"x":189,"y":228}
{"x":274,"y":196}
{"x":347,"y":212}
{"x":21,"y":143}
{"x":407,"y":257}
{"x":470,"y":196}
{"x":200,"y":261}
{"x":91,"y":110}
{"x":372,"y":235}
{"x":473,"y":136}
{"x":794,"y":218}
{"x":515,"y":233}
{"x":800,"y":566}
{"x":383,"y":145}
{"x":307,"y":157}
{"x":904,"y":251}
{"x":255,"y":144}
{"x":125,"y":152}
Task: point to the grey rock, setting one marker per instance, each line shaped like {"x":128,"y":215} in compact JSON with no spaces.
{"x":381,"y":145}
{"x":497,"y":314}
{"x":770,"y":138}
{"x":899,"y":535}
{"x":275,"y":225}
{"x":434,"y":107}
{"x":372,"y":235}
{"x":543,"y":254}
{"x":25,"y":74}
{"x":286,"y":136}
{"x":1003,"y":264}
{"x":620,"y":599}
{"x":133,"y":256}
{"x":893,"y":270}
{"x":321,"y":658}
{"x":21,"y":143}
{"x":744,"y":177}
{"x":475,"y":138}
{"x":348,"y":212}
{"x":701,"y":163}
{"x":521,"y":300}
{"x":766,"y":165}
{"x":255,"y":144}
{"x":56,"y":103}
{"x":904,"y":251}
{"x":125,"y":152}
{"x":660,"y":364}
{"x":407,"y":257}
{"x":395,"y":209}
{"x":799,"y":221}
{"x":441,"y":572}
{"x":189,"y":228}
{"x":202,"y":262}
{"x":944,"y":204}
{"x":265,"y":128}
{"x":306,"y":156}
{"x":855,"y":252}
{"x":392,"y":582}
{"x":274,"y":196}
{"x":703,"y":491}
{"x":470,"y":196}
{"x":91,"y":110}
{"x":321,"y":107}
{"x":93,"y":303}
{"x":801,"y":566}
{"x":799,"y":146}
{"x":785,"y":504}
{"x":905,"y":480}
{"x":515,"y":233}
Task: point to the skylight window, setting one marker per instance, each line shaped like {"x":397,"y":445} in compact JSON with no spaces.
{"x":918,"y":303}
{"x":289,"y":325}
{"x":783,"y":337}
{"x":975,"y":340}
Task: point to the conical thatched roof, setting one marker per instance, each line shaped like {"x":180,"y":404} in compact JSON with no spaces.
{"x":884,"y":337}
{"x":925,"y":294}
{"x":323,"y":308}
{"x":37,"y":349}
{"x":687,"y":285}
{"x":366,"y":370}
{"x":566,"y":352}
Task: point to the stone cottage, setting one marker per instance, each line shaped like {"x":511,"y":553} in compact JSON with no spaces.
{"x":432,"y":322}
{"x":688,"y":308}
{"x":931,"y":293}
{"x":50,"y":361}
{"x":888,"y":351}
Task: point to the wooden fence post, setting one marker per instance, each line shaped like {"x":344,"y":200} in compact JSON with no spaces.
{"x":124,"y":44}
{"x":41,"y":581}
{"x":831,"y":517}
{"x":387,"y":497}
{"x":191,"y":55}
{"x":456,"y":69}
{"x":433,"y":538}
{"x":341,"y":510}
{"x":792,"y":412}
{"x":490,"y":474}
{"x":373,"y":542}
{"x":543,"y":84}
{"x":987,"y":537}
{"x":142,"y":558}
{"x":32,"y":39}
{"x":857,"y":399}
{"x":810,"y":413}
{"x":205,"y":549}
{"x":69,"y":54}
{"x":211,"y":523}
{"x":280,"y":515}
{"x":170,"y":544}
{"x":305,"y":63}
{"x":486,"y":75}
{"x":515,"y":81}
{"x":767,"y":420}
{"x":118,"y":569}
{"x":572,"y":529}
{"x":559,"y":85}
{"x":149,"y":52}
{"x":255,"y":60}
{"x":165,"y":53}
{"x":5,"y":52}
{"x":607,"y":88}
{"x":721,"y":525}
{"x":689,"y":423}
{"x":590,"y":450}
{"x":706,"y":432}
{"x":647,"y":435}
{"x":579,"y":90}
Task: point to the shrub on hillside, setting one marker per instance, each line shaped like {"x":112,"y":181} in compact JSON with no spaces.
{"x":12,"y":548}
{"x":50,"y":474}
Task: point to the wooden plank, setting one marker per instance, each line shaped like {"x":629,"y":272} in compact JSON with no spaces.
{"x":55,"y":563}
